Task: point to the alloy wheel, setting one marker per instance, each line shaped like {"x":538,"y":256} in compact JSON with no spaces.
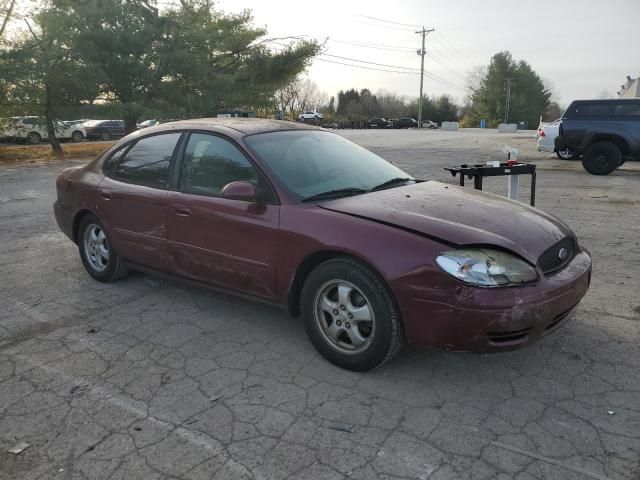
{"x":344,"y":316}
{"x":96,"y":247}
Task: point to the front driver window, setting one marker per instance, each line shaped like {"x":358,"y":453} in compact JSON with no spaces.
{"x":210,"y":162}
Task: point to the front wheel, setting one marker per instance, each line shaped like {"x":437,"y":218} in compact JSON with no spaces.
{"x":77,"y":136}
{"x":350,"y":316}
{"x":601,"y":158}
{"x":96,"y":252}
{"x":105,"y":136}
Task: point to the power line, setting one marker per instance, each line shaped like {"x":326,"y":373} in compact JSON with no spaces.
{"x":366,"y":68}
{"x":451,"y":48}
{"x":405,"y":29}
{"x":389,"y":21}
{"x":370,"y":63}
{"x":374,"y":45}
{"x":388,"y":69}
{"x":457,"y":73}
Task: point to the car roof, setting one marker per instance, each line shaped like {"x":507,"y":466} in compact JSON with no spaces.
{"x":247,"y":126}
{"x":608,"y":100}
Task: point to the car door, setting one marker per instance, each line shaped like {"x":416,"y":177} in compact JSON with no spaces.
{"x":118,"y":128}
{"x":132,"y":198}
{"x":229,"y":243}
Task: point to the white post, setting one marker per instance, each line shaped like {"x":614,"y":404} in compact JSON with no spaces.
{"x":512,"y":187}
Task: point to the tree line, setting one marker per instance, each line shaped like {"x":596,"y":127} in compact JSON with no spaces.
{"x":530,"y":98}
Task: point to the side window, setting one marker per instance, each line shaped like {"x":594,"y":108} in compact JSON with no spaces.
{"x":593,"y":110}
{"x":110,"y":163}
{"x":210,"y":162}
{"x":628,"y":110}
{"x":147,"y":162}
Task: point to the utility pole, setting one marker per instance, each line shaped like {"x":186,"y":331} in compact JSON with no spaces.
{"x":507,"y":82}
{"x":422,"y":53}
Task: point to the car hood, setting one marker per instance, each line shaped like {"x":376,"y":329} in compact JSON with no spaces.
{"x":458,"y":216}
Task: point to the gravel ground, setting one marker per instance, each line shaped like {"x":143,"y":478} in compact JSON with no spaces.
{"x":146,"y":379}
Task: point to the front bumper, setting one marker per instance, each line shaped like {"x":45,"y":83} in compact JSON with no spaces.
{"x":495,"y":319}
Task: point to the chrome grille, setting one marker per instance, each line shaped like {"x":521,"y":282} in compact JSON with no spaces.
{"x":551,"y":260}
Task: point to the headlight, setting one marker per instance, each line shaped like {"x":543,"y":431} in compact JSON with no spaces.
{"x":486,"y":267}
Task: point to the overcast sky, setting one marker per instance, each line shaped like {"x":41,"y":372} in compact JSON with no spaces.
{"x":583,"y":47}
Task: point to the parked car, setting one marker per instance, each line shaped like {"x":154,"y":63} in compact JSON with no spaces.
{"x":547,"y":134}
{"x":298,"y":215}
{"x":406,"y":123}
{"x":377,"y":123}
{"x":33,"y":130}
{"x":429,"y":124}
{"x":605,"y":132}
{"x":148,"y":123}
{"x":70,"y":123}
{"x":305,"y":116}
{"x":104,"y":129}
{"x":331,"y":125}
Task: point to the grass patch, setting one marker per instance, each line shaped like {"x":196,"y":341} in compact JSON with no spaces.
{"x":18,"y":154}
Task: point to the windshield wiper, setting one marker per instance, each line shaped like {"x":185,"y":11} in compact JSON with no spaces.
{"x":339,"y":192}
{"x":391,"y":183}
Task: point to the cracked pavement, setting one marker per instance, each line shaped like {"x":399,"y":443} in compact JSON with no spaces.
{"x":150,"y":379}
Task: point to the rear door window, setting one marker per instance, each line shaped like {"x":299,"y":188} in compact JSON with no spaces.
{"x":147,"y":162}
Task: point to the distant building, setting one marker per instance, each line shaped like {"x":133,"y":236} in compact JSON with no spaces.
{"x":630,"y":88}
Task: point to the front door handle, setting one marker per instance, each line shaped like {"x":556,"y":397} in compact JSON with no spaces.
{"x":106,"y":194}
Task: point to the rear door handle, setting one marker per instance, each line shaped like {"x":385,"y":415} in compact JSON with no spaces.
{"x":106,"y":194}
{"x":183,"y":211}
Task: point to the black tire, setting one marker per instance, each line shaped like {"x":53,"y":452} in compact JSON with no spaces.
{"x":105,"y":136}
{"x":385,"y":338}
{"x":77,"y":136}
{"x":115,"y":268}
{"x":601,"y":158}
{"x":33,"y":138}
{"x":566,"y":154}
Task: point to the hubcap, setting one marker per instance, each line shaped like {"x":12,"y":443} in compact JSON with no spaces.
{"x":344,"y":317}
{"x":96,"y":247}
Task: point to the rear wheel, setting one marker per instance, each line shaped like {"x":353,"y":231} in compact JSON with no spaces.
{"x":34,"y":138}
{"x":601,"y":158}
{"x":105,"y":136}
{"x":96,"y":252}
{"x":350,"y":316}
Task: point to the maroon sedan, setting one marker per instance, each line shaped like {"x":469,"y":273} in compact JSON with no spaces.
{"x":292,"y":214}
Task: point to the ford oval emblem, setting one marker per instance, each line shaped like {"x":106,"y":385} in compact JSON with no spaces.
{"x":562,"y":253}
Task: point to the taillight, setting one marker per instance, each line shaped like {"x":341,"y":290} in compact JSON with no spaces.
{"x":542,"y":133}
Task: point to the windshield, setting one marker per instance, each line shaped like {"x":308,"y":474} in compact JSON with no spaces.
{"x":311,"y":162}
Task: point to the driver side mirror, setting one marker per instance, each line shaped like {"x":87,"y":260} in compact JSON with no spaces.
{"x":239,"y":191}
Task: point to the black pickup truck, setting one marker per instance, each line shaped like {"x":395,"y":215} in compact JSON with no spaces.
{"x":605,"y":132}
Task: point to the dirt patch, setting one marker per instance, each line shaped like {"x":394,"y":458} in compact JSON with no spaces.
{"x":19,"y":154}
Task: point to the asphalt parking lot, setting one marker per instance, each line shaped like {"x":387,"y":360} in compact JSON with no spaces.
{"x":146,"y":379}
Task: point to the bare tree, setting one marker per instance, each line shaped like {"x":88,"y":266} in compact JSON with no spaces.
{"x":391,"y":105}
{"x":299,"y":95}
